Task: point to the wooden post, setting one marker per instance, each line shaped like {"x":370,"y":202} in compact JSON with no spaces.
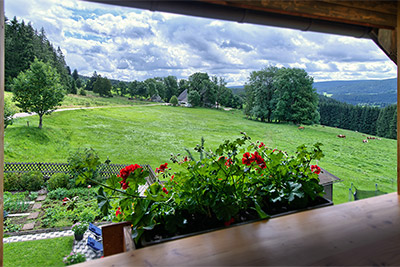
{"x":1,"y":126}
{"x":398,"y":97}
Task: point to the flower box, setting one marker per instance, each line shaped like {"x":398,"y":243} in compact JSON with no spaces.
{"x":148,"y":238}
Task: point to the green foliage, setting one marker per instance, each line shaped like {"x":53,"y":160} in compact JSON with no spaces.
{"x":174,"y":100}
{"x":365,"y":119}
{"x":13,"y":182}
{"x":82,"y":193}
{"x":284,"y":94}
{"x":22,"y":44}
{"x":38,"y":89}
{"x":58,"y":180}
{"x":16,"y":203}
{"x":83,"y":166}
{"x":79,"y":228}
{"x":9,"y":112}
{"x":30,"y":181}
{"x":37,"y":253}
{"x":194,"y":98}
{"x":65,"y":213}
{"x":33,"y":180}
{"x":10,"y":227}
{"x":74,"y":258}
{"x":82,"y":92}
{"x":102,"y":86}
{"x":226,"y":185}
{"x":260,"y":92}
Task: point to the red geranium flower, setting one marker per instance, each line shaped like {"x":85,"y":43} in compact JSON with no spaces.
{"x":165,"y":190}
{"x":246,"y":160}
{"x":228,"y":163}
{"x":261,"y":145}
{"x":315,"y":169}
{"x":118,"y":212}
{"x":162,"y":167}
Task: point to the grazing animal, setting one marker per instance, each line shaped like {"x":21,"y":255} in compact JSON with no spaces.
{"x":341,"y":136}
{"x":365,"y":141}
{"x":301,"y":128}
{"x":371,"y":137}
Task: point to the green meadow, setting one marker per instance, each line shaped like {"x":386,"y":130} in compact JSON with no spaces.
{"x":149,"y":134}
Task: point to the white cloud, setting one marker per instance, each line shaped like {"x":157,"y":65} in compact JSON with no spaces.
{"x":124,"y":43}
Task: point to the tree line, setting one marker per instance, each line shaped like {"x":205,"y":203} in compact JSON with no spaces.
{"x":202,"y":89}
{"x":281,"y":95}
{"x":23,"y":44}
{"x":370,"y":120}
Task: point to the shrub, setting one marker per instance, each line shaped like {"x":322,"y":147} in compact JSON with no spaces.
{"x":83,"y":166}
{"x":74,"y":258}
{"x":33,"y":180}
{"x":174,"y":100}
{"x":58,"y":180}
{"x":82,"y":92}
{"x":13,"y":182}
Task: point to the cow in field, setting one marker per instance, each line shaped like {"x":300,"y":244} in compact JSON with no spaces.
{"x":341,"y":136}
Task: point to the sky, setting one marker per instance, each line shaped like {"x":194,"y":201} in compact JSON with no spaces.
{"x":132,"y":44}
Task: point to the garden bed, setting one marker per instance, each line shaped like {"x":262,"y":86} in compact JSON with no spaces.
{"x":54,"y":213}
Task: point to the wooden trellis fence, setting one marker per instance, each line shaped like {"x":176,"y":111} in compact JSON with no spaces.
{"x":48,"y":169}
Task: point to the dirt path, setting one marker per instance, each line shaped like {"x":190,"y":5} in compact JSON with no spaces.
{"x":24,"y":114}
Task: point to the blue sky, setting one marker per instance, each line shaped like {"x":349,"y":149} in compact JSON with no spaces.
{"x":132,"y":44}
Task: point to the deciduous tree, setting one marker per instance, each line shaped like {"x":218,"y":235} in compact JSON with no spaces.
{"x":38,"y":90}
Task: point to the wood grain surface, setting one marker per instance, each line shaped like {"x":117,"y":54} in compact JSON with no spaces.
{"x":364,"y":232}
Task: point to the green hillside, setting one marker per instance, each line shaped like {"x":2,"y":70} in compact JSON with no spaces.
{"x":370,"y":92}
{"x":148,"y":134}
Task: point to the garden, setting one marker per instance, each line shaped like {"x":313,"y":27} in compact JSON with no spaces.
{"x":240,"y":181}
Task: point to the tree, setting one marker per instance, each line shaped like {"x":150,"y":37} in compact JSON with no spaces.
{"x":171,"y":86}
{"x":194,"y":98}
{"x":174,"y":100}
{"x":102,"y":86}
{"x":38,"y":89}
{"x":297,"y":100}
{"x":261,"y":103}
{"x":122,"y":88}
{"x":91,"y":81}
{"x":75,"y":75}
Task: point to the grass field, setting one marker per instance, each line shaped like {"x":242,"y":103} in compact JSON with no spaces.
{"x":148,"y":134}
{"x":90,"y":100}
{"x":46,"y":252}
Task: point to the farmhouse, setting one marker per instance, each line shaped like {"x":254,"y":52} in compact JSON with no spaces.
{"x":365,"y":232}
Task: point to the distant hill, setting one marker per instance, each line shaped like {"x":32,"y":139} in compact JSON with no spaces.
{"x":363,"y":92}
{"x":359,"y":92}
{"x":237,"y":90}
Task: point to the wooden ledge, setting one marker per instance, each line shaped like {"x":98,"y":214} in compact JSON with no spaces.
{"x":364,"y":232}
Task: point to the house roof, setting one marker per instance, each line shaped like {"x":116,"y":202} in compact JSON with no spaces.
{"x":183,"y":96}
{"x":327,"y":178}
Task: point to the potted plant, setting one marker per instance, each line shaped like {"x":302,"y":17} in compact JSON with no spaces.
{"x":79,"y":230}
{"x":240,"y":181}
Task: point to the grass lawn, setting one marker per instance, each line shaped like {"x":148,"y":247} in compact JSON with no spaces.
{"x":90,"y":100}
{"x":46,"y":252}
{"x":148,"y":134}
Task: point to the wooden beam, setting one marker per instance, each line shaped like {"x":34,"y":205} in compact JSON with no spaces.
{"x":318,"y":10}
{"x":387,"y":7}
{"x":398,"y":99}
{"x":1,"y":126}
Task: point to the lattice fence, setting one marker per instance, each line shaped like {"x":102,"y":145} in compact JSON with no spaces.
{"x":48,"y":169}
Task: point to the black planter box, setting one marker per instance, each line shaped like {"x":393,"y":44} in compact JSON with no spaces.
{"x":320,"y":203}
